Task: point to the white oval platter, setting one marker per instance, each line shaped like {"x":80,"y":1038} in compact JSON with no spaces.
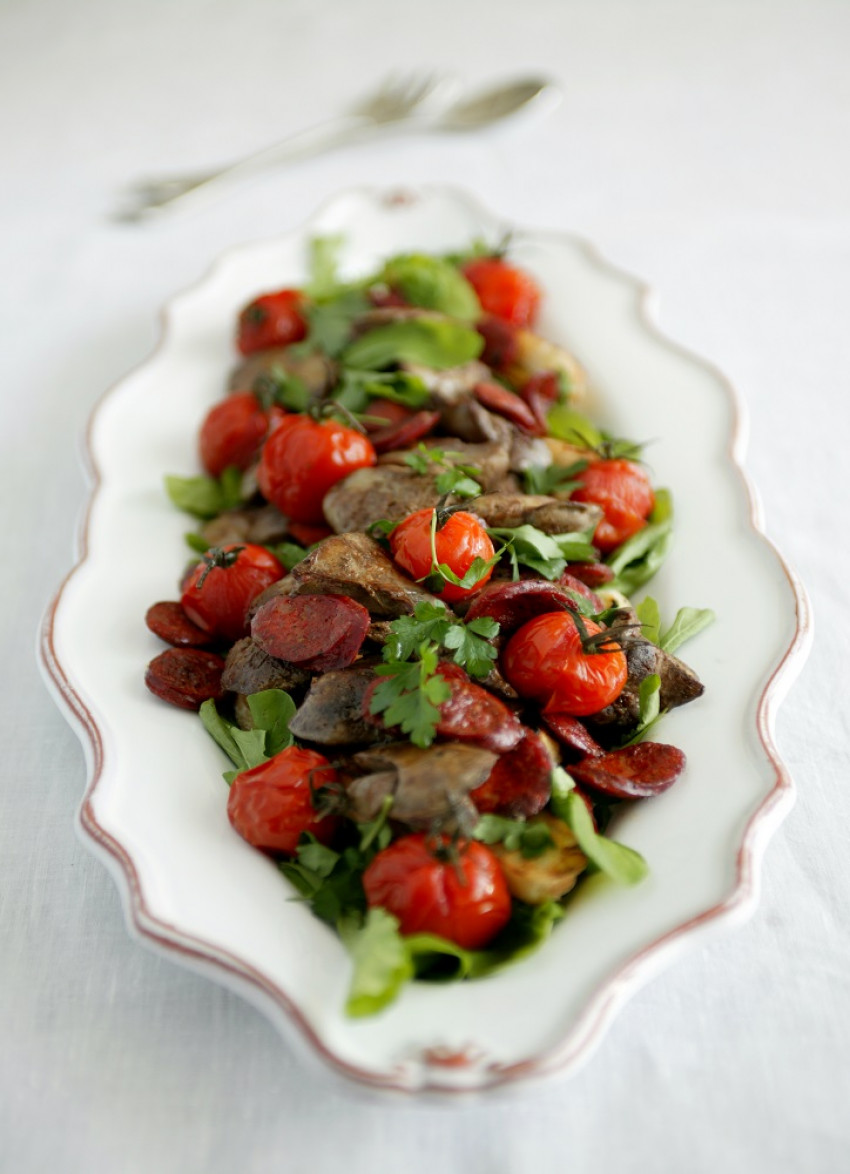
{"x":154,"y":806}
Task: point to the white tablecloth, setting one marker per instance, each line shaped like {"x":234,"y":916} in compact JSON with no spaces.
{"x":703,"y":146}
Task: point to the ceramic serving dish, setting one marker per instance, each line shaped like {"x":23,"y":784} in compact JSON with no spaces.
{"x":154,"y":805}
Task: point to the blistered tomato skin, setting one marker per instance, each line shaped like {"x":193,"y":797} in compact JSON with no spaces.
{"x":224,"y":584}
{"x":544,"y":661}
{"x":624,"y":491}
{"x":504,"y":290}
{"x":304,"y":458}
{"x":459,"y":542}
{"x":464,"y":899}
{"x":272,"y":804}
{"x":274,"y":319}
{"x":232,"y":433}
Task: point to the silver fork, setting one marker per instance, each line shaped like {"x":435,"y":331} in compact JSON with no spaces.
{"x":397,"y":98}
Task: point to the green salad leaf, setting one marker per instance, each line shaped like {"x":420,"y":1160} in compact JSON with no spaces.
{"x":434,"y":342}
{"x":272,"y":710}
{"x":206,"y":497}
{"x":433,"y":283}
{"x":639,"y":557}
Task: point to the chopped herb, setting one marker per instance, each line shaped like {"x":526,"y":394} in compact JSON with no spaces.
{"x":431,"y":623}
{"x":410,"y":695}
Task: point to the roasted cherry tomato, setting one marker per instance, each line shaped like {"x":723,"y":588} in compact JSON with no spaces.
{"x":273,"y":803}
{"x":224,"y":584}
{"x":303,"y":458}
{"x":233,"y":433}
{"x":458,"y":542}
{"x":503,"y":290}
{"x":457,"y":891}
{"x":274,"y":319}
{"x":624,"y":491}
{"x":545,"y":661}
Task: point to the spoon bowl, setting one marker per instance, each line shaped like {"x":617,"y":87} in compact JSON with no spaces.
{"x":499,"y":103}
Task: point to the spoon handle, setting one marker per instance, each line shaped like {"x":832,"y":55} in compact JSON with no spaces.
{"x":154,"y":196}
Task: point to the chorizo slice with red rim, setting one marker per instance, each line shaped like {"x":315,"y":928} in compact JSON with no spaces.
{"x":473,"y":715}
{"x":186,"y":677}
{"x":506,"y":403}
{"x":574,"y":583}
{"x":519,"y":785}
{"x":591,"y":574}
{"x":513,"y":604}
{"x":405,"y":433}
{"x":632,"y":772}
{"x":573,"y":736}
{"x":169,"y":621}
{"x":315,"y":632}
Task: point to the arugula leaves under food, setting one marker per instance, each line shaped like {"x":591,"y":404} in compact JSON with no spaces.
{"x":434,"y":342}
{"x":639,"y":557}
{"x":553,"y":480}
{"x":618,"y":862}
{"x":271,"y":711}
{"x":206,"y":497}
{"x":530,"y":838}
{"x":547,"y":554}
{"x":433,"y":283}
{"x":687,"y":623}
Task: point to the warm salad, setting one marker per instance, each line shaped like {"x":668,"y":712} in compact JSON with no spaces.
{"x":409,"y":623}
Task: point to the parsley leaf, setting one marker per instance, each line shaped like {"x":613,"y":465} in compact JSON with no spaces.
{"x":435,"y":624}
{"x":410,"y":695}
{"x":471,"y":644}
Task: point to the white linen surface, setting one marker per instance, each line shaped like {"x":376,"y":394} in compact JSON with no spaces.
{"x":702,"y":146}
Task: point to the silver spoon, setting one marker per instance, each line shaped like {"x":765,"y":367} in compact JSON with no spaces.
{"x":375,"y":116}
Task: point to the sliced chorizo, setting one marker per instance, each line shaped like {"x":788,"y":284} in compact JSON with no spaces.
{"x":506,"y":403}
{"x":169,"y":621}
{"x":632,"y":772}
{"x":405,"y":433}
{"x":501,"y":346}
{"x":186,"y":677}
{"x":574,"y":583}
{"x":309,"y":533}
{"x":591,"y":574}
{"x":473,"y":715}
{"x":513,"y":604}
{"x":316,"y":632}
{"x":573,"y":736}
{"x":519,"y":785}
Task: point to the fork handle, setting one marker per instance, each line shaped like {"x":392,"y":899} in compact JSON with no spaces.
{"x":161,"y":194}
